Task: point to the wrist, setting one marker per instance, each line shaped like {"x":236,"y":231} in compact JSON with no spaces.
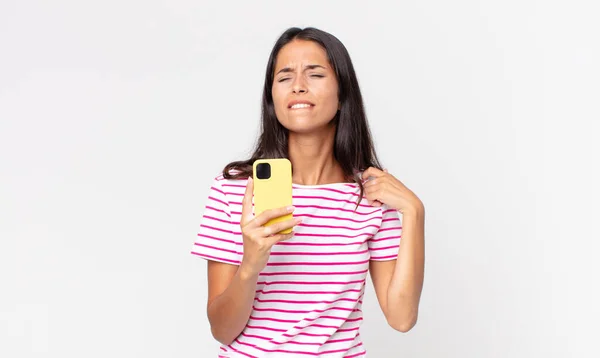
{"x":246,"y":274}
{"x":418,"y":212}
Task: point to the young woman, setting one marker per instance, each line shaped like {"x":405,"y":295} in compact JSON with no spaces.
{"x":300,"y":294}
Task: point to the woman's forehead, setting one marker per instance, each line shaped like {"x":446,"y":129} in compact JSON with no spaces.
{"x":301,"y":53}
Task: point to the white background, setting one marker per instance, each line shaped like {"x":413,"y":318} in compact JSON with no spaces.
{"x":116,"y":115}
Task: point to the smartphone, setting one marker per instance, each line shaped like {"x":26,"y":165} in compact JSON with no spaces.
{"x":272,"y":187}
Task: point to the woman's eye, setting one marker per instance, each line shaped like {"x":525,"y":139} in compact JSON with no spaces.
{"x":287,"y":78}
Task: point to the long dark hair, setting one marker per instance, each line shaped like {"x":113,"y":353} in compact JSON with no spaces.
{"x":353,"y":147}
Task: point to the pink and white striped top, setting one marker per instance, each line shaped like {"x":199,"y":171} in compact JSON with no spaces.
{"x":309,"y":296}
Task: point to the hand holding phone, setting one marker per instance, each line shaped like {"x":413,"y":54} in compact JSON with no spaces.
{"x":273,"y":221}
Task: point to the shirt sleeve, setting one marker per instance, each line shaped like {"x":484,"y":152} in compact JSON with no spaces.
{"x":385,"y":243}
{"x":218,"y":237}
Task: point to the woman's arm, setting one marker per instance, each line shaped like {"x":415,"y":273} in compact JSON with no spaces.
{"x":230,"y":298}
{"x":398,"y":283}
{"x":232,"y":288}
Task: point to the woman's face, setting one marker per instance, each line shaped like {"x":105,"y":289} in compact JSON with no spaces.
{"x":305,"y":89}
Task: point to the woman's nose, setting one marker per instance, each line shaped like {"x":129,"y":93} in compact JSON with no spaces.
{"x":299,"y":85}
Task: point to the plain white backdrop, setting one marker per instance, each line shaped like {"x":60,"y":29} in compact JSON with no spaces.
{"x":116,"y":115}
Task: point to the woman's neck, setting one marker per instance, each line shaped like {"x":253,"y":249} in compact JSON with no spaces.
{"x":312,"y":158}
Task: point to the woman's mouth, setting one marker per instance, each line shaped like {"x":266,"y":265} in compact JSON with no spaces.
{"x":301,"y":106}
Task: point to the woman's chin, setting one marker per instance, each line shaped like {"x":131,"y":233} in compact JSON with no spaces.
{"x":304,"y":126}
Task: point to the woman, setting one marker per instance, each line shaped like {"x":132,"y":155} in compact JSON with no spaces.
{"x":300,"y":294}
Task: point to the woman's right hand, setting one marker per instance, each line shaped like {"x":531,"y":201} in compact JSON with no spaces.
{"x":259,"y":239}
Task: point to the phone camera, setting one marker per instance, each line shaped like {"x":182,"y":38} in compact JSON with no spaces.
{"x":263,"y":171}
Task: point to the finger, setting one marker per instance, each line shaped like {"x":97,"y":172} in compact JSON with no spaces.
{"x":247,"y":202}
{"x":376,"y":203}
{"x":370,"y":189}
{"x":276,"y":238}
{"x":373,"y":194}
{"x":372,"y":172}
{"x":280,"y":226}
{"x":372,"y":182}
{"x":267,"y":215}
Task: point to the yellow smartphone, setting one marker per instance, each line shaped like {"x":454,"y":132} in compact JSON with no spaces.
{"x":272,"y":187}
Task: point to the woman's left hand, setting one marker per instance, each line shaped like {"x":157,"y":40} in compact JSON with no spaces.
{"x":385,"y":188}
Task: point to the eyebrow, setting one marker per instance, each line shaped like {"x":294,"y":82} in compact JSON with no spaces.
{"x":308,"y":67}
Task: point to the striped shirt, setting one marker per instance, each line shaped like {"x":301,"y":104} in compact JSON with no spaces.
{"x":309,"y":296}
